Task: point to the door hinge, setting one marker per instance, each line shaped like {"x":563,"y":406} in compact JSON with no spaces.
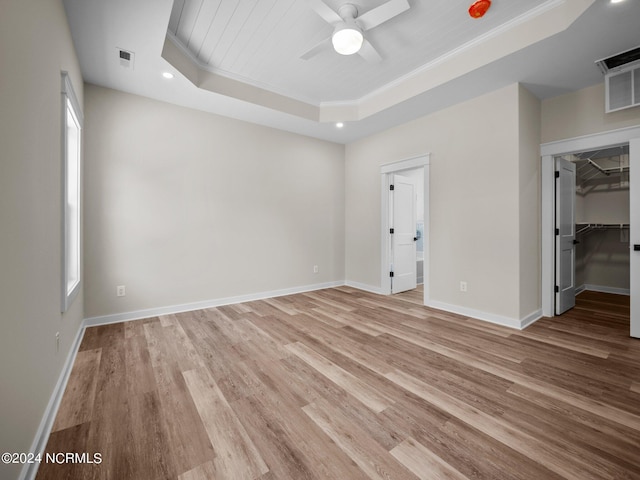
{"x":391,"y":187}
{"x":557,"y":289}
{"x":557,"y":174}
{"x":391,"y":231}
{"x":557,"y":231}
{"x":391,"y":274}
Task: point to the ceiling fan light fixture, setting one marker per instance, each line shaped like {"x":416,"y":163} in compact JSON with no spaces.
{"x":347,"y":39}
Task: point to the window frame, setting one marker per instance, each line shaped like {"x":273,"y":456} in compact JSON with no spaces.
{"x":71,"y":186}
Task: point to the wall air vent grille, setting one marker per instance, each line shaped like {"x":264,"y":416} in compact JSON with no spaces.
{"x":126,"y":58}
{"x":622,"y":80}
{"x":622,"y":89}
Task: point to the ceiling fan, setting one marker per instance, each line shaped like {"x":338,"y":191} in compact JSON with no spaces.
{"x":348,"y":34}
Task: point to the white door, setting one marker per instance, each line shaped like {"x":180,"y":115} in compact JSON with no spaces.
{"x":403,"y":238}
{"x":634,"y":234}
{"x":565,"y":235}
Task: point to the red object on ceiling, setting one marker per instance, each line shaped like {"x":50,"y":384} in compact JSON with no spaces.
{"x":479,"y":8}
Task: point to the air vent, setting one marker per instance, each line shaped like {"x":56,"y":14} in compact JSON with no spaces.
{"x":622,"y":80}
{"x":620,"y":61}
{"x":126,"y":58}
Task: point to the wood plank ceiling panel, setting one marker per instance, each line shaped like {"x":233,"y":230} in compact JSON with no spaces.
{"x":260,"y":42}
{"x":202,"y":27}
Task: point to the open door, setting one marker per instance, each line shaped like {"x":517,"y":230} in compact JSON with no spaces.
{"x":565,"y":235}
{"x":403,"y":236}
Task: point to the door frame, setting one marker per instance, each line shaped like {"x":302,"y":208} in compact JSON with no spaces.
{"x":386,"y":171}
{"x":548,"y":151}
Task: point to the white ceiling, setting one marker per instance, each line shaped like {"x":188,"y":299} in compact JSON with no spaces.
{"x":242,"y":58}
{"x":260,"y":42}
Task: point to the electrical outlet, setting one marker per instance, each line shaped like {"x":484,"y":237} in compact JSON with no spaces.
{"x":121,"y":291}
{"x":315,"y":269}
{"x":463,"y":286}
{"x":57,"y":342}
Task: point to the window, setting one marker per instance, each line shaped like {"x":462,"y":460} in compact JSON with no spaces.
{"x":71,"y":161}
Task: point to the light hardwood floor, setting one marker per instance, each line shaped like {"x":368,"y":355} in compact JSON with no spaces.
{"x":343,"y":384}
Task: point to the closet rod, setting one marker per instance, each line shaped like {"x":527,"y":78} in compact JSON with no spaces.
{"x":584,"y":227}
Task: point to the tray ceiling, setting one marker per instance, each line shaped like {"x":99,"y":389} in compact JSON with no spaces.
{"x":241,"y":59}
{"x":260,"y":42}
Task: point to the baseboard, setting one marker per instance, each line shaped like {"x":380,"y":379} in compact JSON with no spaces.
{"x":530,"y":319}
{"x":518,"y":324}
{"x":580,"y":289}
{"x":29,"y":470}
{"x":364,"y":286}
{"x":605,"y":289}
{"x":188,"y":307}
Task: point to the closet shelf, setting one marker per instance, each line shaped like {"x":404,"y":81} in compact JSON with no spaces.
{"x":588,"y":227}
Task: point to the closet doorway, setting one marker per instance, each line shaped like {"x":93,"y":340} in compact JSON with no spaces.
{"x":592,"y":224}
{"x":605,"y":226}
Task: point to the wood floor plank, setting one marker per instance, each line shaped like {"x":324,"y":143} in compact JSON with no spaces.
{"x":512,"y":437}
{"x":346,"y":384}
{"x":356,"y":387}
{"x":76,"y":406}
{"x":374,"y":460}
{"x":424,"y":463}
{"x":205,"y":471}
{"x":236,"y":454}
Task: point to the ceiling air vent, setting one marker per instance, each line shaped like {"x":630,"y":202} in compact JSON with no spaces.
{"x":126,"y":58}
{"x":622,"y":80}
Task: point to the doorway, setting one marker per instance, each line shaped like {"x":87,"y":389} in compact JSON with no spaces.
{"x":616,"y":138}
{"x":592,"y":224}
{"x":416,"y":169}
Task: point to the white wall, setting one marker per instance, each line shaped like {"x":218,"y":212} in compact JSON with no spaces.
{"x":35,"y":45}
{"x":529,"y":165}
{"x":184,"y":206}
{"x":476,"y":190}
{"x":582,"y":113}
{"x":603,"y":255}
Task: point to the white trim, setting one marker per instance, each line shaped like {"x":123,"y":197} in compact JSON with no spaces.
{"x":518,"y":324}
{"x":364,"y":287}
{"x":188,"y":307}
{"x":531,"y":318}
{"x":476,"y":42}
{"x":580,"y":289}
{"x":548,"y":244}
{"x":39,"y":444}
{"x":590,"y":142}
{"x":237,"y":77}
{"x":548,"y":151}
{"x":420,"y":161}
{"x":605,"y":289}
{"x":68,"y":96}
{"x":407,"y":164}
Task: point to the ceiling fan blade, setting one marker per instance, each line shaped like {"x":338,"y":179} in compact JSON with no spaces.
{"x":325,"y":11}
{"x":381,"y":14}
{"x":369,"y":53}
{"x":316,"y":49}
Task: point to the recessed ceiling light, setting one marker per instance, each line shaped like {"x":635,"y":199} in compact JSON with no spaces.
{"x":167,"y":75}
{"x":617,"y":1}
{"x":339,"y":124}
